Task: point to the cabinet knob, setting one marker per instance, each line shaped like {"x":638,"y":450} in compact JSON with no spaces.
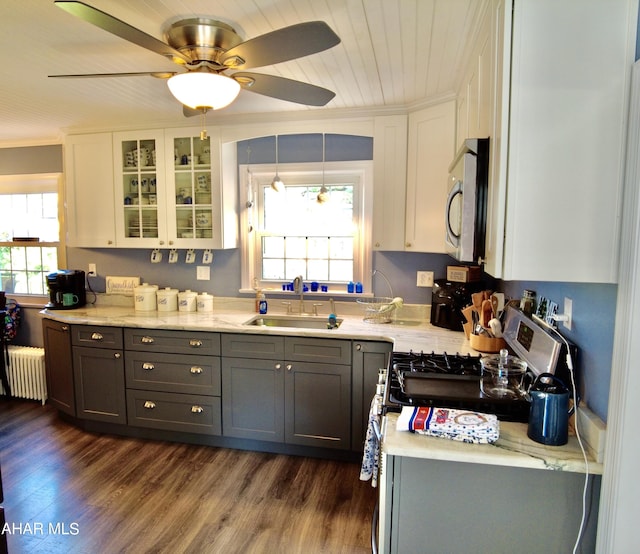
{"x":109,"y":242}
{"x":377,"y":245}
{"x":65,"y":328}
{"x":278,"y":366}
{"x":161,"y":243}
{"x":358,"y":347}
{"x":195,"y":370}
{"x":170,"y":242}
{"x":149,"y":405}
{"x":289,"y":367}
{"x":195,"y":343}
{"x":96,"y":336}
{"x":117,"y":355}
{"x":147,"y":340}
{"x":407,"y":244}
{"x":148,"y":366}
{"x":197,"y":409}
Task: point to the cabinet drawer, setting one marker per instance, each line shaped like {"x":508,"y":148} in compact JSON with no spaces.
{"x":172,"y":342}
{"x":188,"y":413}
{"x":329,"y":351}
{"x":96,"y":336}
{"x":173,"y":373}
{"x":253,"y":346}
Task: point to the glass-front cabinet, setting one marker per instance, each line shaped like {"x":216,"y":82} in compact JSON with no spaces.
{"x":190,"y":189}
{"x":169,"y":191}
{"x":139,"y":175}
{"x":196,"y":211}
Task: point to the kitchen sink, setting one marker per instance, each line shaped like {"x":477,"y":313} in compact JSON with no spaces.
{"x":301,"y":321}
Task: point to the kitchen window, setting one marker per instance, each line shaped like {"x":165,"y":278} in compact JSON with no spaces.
{"x":316,"y":226}
{"x":30,"y":237}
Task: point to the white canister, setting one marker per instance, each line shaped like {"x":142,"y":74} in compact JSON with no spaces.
{"x":187,"y":301}
{"x":205,"y":302}
{"x":145,"y":297}
{"x":167,"y":300}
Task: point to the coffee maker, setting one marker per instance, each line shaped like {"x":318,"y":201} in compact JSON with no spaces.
{"x":66,"y":289}
{"x":448,"y":300}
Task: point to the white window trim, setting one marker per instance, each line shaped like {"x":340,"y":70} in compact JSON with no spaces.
{"x":301,"y":173}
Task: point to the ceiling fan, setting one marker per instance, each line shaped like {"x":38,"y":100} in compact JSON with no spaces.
{"x":208,"y":48}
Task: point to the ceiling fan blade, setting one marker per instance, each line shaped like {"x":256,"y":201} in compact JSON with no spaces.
{"x":284,"y":89}
{"x":282,"y":45}
{"x":121,"y":29}
{"x":156,"y":74}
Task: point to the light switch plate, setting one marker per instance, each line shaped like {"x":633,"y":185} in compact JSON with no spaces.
{"x":425,"y":279}
{"x":203,"y":273}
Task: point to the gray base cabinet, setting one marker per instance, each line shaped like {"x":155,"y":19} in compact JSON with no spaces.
{"x":59,"y":365}
{"x":287,"y":389}
{"x":173,"y":380}
{"x":98,"y":370}
{"x":368,"y":358}
{"x":434,"y":506}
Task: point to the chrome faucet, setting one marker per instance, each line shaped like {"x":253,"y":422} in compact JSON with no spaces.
{"x":298,"y":288}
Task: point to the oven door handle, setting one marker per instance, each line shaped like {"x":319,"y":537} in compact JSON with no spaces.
{"x":375,"y":518}
{"x":376,"y":428}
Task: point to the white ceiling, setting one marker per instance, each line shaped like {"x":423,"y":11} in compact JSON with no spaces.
{"x":394,"y":54}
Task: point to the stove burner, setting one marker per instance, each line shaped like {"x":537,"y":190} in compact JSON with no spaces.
{"x":452,"y":364}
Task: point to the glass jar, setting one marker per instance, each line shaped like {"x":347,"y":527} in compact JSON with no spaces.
{"x":528,"y":302}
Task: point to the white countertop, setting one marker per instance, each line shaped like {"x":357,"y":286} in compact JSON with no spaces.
{"x":513,"y":449}
{"x":230,"y":314}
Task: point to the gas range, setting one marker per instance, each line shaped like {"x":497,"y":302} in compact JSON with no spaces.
{"x":453,"y":380}
{"x":444,"y":381}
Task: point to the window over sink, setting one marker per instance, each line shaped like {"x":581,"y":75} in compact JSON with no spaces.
{"x":315,"y":226}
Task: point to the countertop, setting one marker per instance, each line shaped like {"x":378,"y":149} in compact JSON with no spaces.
{"x":513,"y":449}
{"x":406,"y":333}
{"x":230,"y":314}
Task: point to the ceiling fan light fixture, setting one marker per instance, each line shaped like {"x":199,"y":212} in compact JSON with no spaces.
{"x":203,"y":90}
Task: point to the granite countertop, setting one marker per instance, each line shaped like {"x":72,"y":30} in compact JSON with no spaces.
{"x":229,"y":315}
{"x":514,"y":449}
{"x":410,"y":330}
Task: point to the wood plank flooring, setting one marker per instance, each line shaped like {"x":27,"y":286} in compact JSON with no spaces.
{"x":106,"y":494}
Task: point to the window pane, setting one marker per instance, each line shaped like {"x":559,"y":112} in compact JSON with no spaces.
{"x":272,"y":269}
{"x":318,"y":247}
{"x":293,"y":268}
{"x":296,"y":247}
{"x":273,"y":247}
{"x":18,"y":258}
{"x":341,"y":247}
{"x":318,"y":270}
{"x":340,"y":270}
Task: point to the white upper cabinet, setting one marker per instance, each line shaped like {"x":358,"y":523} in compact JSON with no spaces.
{"x":411,"y":158}
{"x":558,"y":138}
{"x":89,"y":199}
{"x":389,"y":182}
{"x":431,"y":150}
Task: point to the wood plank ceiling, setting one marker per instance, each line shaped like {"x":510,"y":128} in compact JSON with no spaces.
{"x":394,"y":54}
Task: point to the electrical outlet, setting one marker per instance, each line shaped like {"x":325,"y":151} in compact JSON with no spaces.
{"x":568,"y":311}
{"x":425,"y":279}
{"x":92,"y":269}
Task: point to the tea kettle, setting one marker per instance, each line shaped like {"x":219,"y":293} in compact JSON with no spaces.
{"x":549,"y":413}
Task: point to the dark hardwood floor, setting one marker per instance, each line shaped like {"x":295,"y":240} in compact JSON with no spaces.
{"x":78,"y":492}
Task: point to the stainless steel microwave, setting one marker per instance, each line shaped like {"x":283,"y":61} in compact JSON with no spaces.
{"x":466,"y":208}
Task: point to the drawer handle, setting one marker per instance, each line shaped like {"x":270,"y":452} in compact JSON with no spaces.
{"x":148,"y":366}
{"x":149,"y":405}
{"x":197,"y":409}
{"x":147,"y":340}
{"x":278,"y":366}
{"x":196,"y":370}
{"x":117,"y":355}
{"x":289,"y":367}
{"x":96,"y":336}
{"x":195,"y":343}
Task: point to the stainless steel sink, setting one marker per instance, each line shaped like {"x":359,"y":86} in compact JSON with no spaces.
{"x":301,"y":322}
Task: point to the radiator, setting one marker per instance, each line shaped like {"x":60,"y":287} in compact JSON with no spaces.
{"x":26,"y":374}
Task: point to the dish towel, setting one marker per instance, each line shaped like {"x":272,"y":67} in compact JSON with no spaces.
{"x":457,"y":425}
{"x":371,"y":456}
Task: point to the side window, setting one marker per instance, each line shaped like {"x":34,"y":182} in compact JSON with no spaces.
{"x":30,"y":245}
